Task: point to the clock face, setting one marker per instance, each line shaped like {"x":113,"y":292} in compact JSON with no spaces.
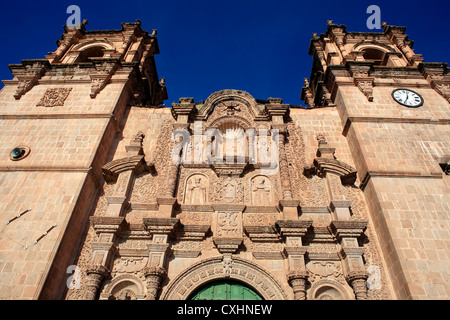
{"x":407,"y":98}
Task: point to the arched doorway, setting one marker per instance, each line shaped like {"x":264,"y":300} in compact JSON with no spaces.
{"x":214,"y":270}
{"x":225,"y":290}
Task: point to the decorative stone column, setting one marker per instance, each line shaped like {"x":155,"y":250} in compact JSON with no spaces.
{"x":153,"y":276}
{"x":107,"y":229}
{"x":351,"y":254}
{"x":297,"y":280}
{"x":278,"y":113}
{"x":283,"y":163}
{"x":357,"y":280}
{"x":160,"y":229}
{"x":95,"y":275}
{"x":70,"y":36}
{"x":292,"y":231}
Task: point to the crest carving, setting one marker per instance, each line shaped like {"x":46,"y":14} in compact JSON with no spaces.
{"x":54,"y":97}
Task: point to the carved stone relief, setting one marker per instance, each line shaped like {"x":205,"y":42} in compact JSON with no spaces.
{"x":260,"y":219}
{"x":196,"y":190}
{"x":189,"y":182}
{"x":129,"y":264}
{"x":54,"y":97}
{"x":323,"y":269}
{"x":229,"y":190}
{"x":261,"y":191}
{"x":229,"y":224}
{"x":144,"y":190}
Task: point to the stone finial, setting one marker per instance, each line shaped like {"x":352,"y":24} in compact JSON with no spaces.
{"x":306,"y":82}
{"x":139,"y":136}
{"x":321,"y":138}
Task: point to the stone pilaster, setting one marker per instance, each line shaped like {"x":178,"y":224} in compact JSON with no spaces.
{"x":278,"y":113}
{"x":160,"y":229}
{"x":284,"y":166}
{"x":347,"y":233}
{"x":292,"y":232}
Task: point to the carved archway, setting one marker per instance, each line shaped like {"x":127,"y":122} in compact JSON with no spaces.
{"x":105,"y":44}
{"x":329,"y":290}
{"x":372,"y":44}
{"x":216,"y":268}
{"x":225,"y":97}
{"x":124,"y":285}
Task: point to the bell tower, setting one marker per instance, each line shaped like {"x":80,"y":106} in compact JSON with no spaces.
{"x":59,"y":118}
{"x":395,"y":115}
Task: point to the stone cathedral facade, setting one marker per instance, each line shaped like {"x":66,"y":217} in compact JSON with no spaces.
{"x":108,"y":194}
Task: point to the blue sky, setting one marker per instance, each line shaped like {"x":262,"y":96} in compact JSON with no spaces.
{"x":257,"y":46}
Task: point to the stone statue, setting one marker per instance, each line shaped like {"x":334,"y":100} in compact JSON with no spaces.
{"x":195,"y":191}
{"x":261,"y":192}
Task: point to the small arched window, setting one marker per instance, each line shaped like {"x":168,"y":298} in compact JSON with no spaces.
{"x":92,"y":52}
{"x":374,"y":55}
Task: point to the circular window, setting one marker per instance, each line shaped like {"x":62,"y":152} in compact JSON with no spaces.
{"x":19,"y":153}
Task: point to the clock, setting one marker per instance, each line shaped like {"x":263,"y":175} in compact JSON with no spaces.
{"x":407,"y":98}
